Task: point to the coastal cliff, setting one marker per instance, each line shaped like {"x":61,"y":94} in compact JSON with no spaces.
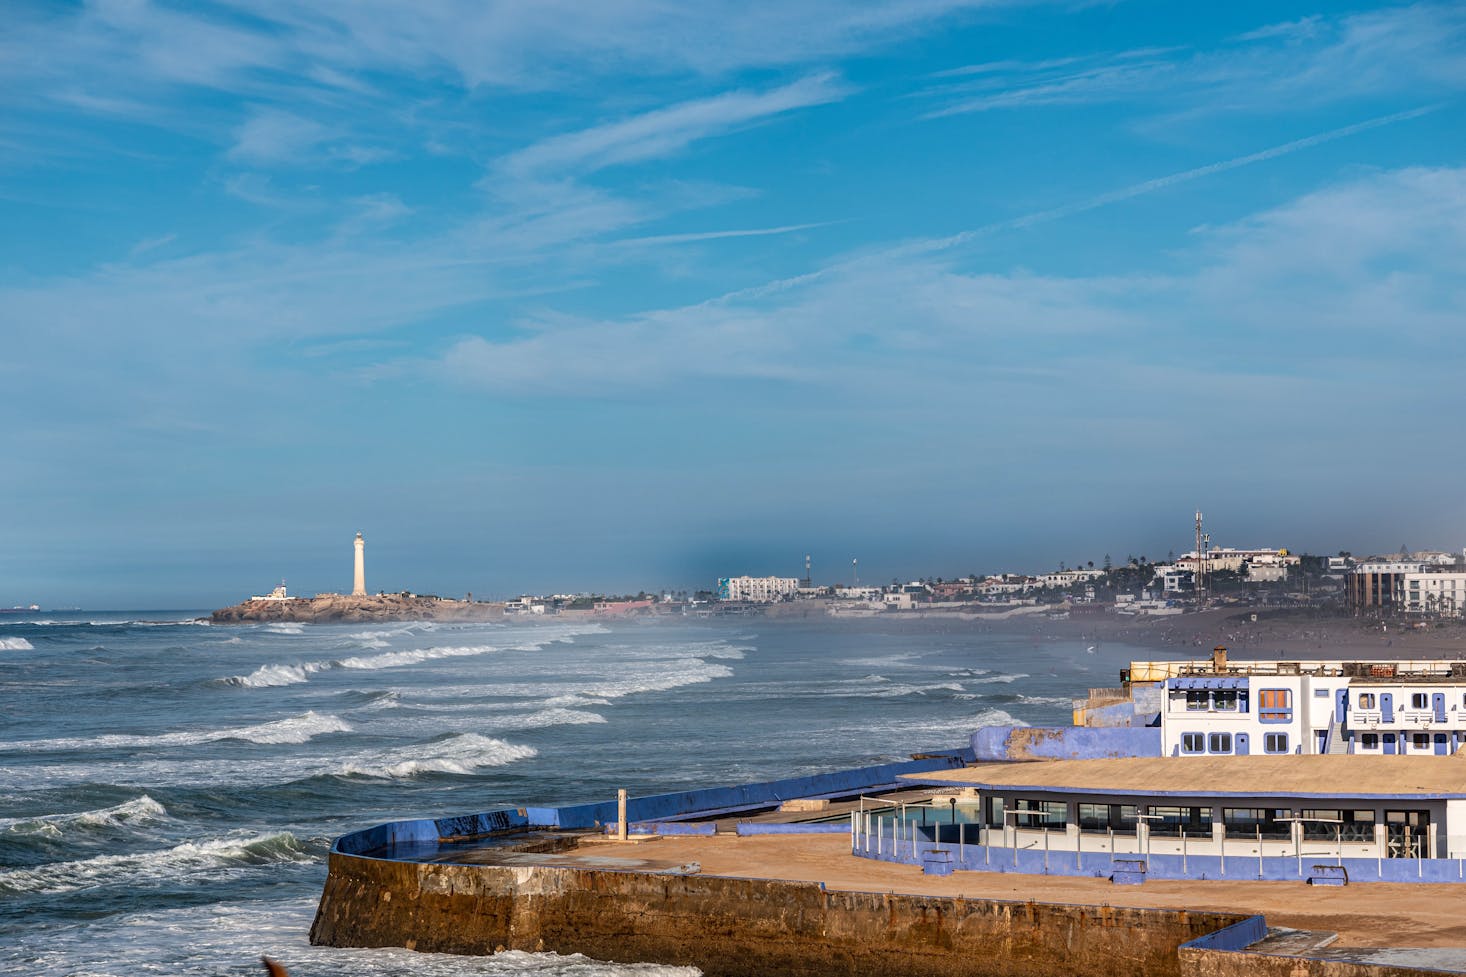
{"x":345,"y":609}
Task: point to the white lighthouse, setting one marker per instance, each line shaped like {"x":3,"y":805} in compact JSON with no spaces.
{"x":358,"y":587}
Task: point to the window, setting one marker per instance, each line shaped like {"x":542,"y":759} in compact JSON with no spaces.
{"x":1197,"y":701}
{"x":1275,"y":706}
{"x":1106,"y":817}
{"x":1040,"y":814}
{"x":1275,"y":743}
{"x":1245,"y":821}
{"x":1193,"y":742}
{"x":1369,"y":741}
{"x":1320,"y":693}
{"x":1419,"y":700}
{"x":1338,"y":825}
{"x":1366,"y":700}
{"x":1225,"y":700}
{"x":1173,"y":820}
{"x":1420,"y":741}
{"x":1219,"y":743}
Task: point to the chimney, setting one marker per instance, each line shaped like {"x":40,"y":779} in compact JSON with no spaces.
{"x":1219,"y":659}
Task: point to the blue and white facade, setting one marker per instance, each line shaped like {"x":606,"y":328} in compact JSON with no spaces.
{"x":1247,"y":708}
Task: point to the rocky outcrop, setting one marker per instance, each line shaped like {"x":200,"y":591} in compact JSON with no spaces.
{"x":342,"y":608}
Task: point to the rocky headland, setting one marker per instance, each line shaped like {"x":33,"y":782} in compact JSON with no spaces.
{"x":346,"y":609}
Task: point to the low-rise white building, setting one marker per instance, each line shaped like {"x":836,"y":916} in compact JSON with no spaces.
{"x":1340,"y":707}
{"x":1068,"y":578}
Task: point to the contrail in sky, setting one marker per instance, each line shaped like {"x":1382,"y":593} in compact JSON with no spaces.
{"x":1104,"y":199}
{"x":1160,"y":183}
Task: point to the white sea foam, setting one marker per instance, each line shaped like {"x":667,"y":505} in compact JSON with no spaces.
{"x":1046,"y":700}
{"x":465,"y":753}
{"x":138,"y":810}
{"x":553,"y":717}
{"x":188,"y":858}
{"x":276,"y":675}
{"x":275,"y":628}
{"x":999,"y":679}
{"x":296,"y":729}
{"x":213,"y":938}
{"x":396,"y":659}
{"x":994,"y":717}
{"x":15,"y":644}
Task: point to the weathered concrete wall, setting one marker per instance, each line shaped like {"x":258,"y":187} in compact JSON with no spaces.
{"x":740,"y":927}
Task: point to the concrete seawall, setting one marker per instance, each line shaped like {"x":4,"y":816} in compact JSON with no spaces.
{"x":731,"y":927}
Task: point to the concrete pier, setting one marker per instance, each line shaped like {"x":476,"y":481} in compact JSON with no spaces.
{"x":731,"y":927}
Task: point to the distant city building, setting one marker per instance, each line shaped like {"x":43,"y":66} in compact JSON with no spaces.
{"x":857,"y":593}
{"x":1068,"y":578}
{"x":1228,"y":560}
{"x":1442,"y":593}
{"x":1378,"y":586}
{"x":759,"y":590}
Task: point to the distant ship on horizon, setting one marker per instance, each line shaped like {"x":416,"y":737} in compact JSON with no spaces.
{"x":17,"y":609}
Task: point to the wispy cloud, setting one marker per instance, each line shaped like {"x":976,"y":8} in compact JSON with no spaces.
{"x":696,"y":236}
{"x":664,"y":131}
{"x":913,"y":322}
{"x":1414,"y":51}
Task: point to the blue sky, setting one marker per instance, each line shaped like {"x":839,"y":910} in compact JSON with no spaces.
{"x":602,"y":296}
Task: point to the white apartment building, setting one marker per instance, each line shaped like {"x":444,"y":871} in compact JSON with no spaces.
{"x":1434,"y":593}
{"x":1389,"y":708}
{"x":759,"y":590}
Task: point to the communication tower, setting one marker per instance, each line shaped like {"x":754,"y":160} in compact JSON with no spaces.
{"x":807,"y":581}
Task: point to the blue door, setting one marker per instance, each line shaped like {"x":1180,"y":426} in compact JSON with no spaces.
{"x":1389,"y":741}
{"x":1440,"y":744}
{"x":1241,"y":742}
{"x":1438,"y":702}
{"x":1387,"y":707}
{"x":1341,"y":705}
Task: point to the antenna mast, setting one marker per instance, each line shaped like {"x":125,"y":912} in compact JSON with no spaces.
{"x":1203,"y":543}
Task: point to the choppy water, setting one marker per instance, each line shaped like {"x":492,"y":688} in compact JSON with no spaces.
{"x":168,"y":789}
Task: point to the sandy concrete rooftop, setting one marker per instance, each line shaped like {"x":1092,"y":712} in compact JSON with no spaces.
{"x":1335,"y":776}
{"x":1364,"y":915}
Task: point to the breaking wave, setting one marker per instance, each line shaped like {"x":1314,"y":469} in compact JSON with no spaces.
{"x":465,"y":753}
{"x":168,"y":864}
{"x":296,"y":729}
{"x":274,"y":676}
{"x":15,"y":644}
{"x":138,"y":810}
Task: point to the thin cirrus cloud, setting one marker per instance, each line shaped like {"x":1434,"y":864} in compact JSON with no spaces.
{"x":669,"y":130}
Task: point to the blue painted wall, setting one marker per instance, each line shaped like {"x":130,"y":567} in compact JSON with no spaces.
{"x":1034,"y":861}
{"x":720,"y":800}
{"x":404,"y":839}
{"x":1004,"y":743}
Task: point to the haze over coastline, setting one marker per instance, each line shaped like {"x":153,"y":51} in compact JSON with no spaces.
{"x":545,"y":297}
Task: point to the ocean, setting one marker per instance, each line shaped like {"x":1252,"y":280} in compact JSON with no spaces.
{"x":169,"y":789}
